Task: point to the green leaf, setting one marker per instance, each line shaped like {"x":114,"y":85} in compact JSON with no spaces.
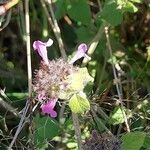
{"x":147,"y":142}
{"x":45,"y":129}
{"x":111,"y":13}
{"x":60,"y":9}
{"x":133,"y":140}
{"x":79,"y":10}
{"x":84,"y":34}
{"x":130,"y":7}
{"x":79,"y":103}
{"x":136,"y":1}
{"x":117,"y":116}
{"x":17,"y":96}
{"x":79,"y":79}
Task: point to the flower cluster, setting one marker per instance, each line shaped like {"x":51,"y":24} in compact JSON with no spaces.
{"x":52,"y":80}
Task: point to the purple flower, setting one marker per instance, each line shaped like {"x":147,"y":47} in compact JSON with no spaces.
{"x":48,"y":107}
{"x":41,"y":48}
{"x":81,"y":52}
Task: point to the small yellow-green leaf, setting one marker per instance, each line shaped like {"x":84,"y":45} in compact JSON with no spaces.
{"x":117,"y":116}
{"x":79,"y":103}
{"x":130,"y":7}
{"x":79,"y":79}
{"x":136,"y":1}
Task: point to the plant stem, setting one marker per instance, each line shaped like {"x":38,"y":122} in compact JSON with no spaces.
{"x":9,"y":108}
{"x":94,"y":44}
{"x":57,"y":31}
{"x":54,"y":25}
{"x":117,"y":83}
{"x":77,"y":130}
{"x":4,"y":8}
{"x":28,"y":44}
{"x":20,"y":126}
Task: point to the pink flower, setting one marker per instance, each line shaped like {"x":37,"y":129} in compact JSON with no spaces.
{"x":81,"y":52}
{"x":41,"y":48}
{"x":49,"y":106}
{"x":41,"y":96}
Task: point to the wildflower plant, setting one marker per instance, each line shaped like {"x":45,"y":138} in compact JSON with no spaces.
{"x":60,"y":80}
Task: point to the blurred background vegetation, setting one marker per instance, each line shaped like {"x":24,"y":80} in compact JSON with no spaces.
{"x":80,"y":21}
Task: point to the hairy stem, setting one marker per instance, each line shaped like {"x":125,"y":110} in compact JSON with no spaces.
{"x":117,"y":83}
{"x":20,"y":126}
{"x":57,"y":32}
{"x":77,"y":130}
{"x":54,"y":25}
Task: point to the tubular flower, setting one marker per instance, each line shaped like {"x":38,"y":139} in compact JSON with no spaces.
{"x":81,"y":52}
{"x":41,"y":48}
{"x":50,"y":81}
{"x":57,"y":79}
{"x":48,"y":107}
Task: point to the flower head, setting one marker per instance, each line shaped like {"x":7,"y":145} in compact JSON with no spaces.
{"x":56,"y":79}
{"x":48,"y":108}
{"x":41,"y":48}
{"x":50,"y":81}
{"x":81,"y":52}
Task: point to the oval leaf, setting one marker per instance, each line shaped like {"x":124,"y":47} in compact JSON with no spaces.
{"x":79,"y":10}
{"x":117,"y":116}
{"x":79,"y":104}
{"x":133,"y":140}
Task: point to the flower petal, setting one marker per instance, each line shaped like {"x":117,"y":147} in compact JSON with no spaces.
{"x":49,"y":106}
{"x":82,"y":48}
{"x":41,"y":48}
{"x":49,"y":42}
{"x":41,"y":96}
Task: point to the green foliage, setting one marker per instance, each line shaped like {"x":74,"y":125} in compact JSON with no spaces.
{"x":128,"y":6}
{"x":116,"y":116}
{"x":80,"y":21}
{"x":147,"y":142}
{"x":79,"y":103}
{"x":45,"y":130}
{"x":111,"y":13}
{"x":79,"y":11}
{"x":133,"y":140}
{"x":60,"y":9}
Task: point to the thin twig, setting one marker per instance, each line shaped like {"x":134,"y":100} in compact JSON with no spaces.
{"x":118,"y":85}
{"x":54,"y":25}
{"x":4,"y":8}
{"x":9,"y":107}
{"x":98,"y":121}
{"x":28,"y":48}
{"x":94,"y":44}
{"x":28,"y":44}
{"x":57,"y":31}
{"x":20,"y":126}
{"x":77,"y":130}
{"x":99,"y":5}
{"x":8,"y":17}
